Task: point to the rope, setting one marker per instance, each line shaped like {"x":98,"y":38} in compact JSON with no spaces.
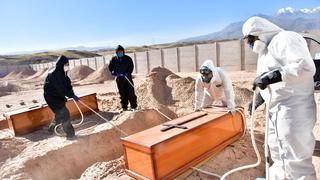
{"x":115,"y":126}
{"x":266,"y":136}
{"x":253,"y":143}
{"x":82,"y":119}
{"x":74,"y":125}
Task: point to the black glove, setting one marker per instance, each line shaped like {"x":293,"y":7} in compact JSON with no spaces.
{"x":259,"y":101}
{"x":267,"y":78}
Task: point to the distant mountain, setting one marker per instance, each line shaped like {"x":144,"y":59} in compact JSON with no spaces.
{"x":286,"y":18}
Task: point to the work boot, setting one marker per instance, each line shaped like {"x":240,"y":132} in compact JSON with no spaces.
{"x":51,"y":128}
{"x":133,"y":109}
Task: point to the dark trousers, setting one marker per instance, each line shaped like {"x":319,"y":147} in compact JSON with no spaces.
{"x":126,"y":92}
{"x":62,"y":116}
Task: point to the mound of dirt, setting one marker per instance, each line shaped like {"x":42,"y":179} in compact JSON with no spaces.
{"x":160,"y":73}
{"x":106,"y":170}
{"x":79,"y":72}
{"x":164,"y":88}
{"x":98,"y":76}
{"x":9,"y":87}
{"x":155,"y":89}
{"x":242,"y":95}
{"x":182,"y":90}
{"x":111,"y":102}
{"x":43,"y":152}
{"x":182,"y":94}
{"x":20,"y":74}
{"x":37,"y":74}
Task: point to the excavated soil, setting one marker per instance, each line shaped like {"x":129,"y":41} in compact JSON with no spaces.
{"x":37,"y":74}
{"x":51,"y":157}
{"x":79,"y":72}
{"x":98,"y":76}
{"x":19,"y":74}
{"x":7,"y":87}
{"x":106,"y":170}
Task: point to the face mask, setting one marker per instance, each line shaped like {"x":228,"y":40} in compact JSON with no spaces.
{"x":259,"y":46}
{"x":206,"y":79}
{"x":120,"y":55}
{"x":66,"y":68}
{"x":251,"y":46}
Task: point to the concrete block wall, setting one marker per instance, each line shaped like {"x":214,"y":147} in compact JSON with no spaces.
{"x":230,"y":55}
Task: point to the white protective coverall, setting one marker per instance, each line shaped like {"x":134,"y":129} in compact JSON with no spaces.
{"x":292,"y":112}
{"x":219,"y":88}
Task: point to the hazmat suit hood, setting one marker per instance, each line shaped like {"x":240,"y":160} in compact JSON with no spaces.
{"x":216,"y":77}
{"x":264,"y":29}
{"x":61,"y":61}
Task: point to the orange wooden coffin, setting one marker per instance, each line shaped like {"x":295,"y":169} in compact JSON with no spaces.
{"x":26,"y":120}
{"x":156,"y":154}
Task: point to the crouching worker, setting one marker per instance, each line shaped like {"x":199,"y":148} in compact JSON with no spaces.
{"x":121,"y":66}
{"x":213,"y":85}
{"x":56,"y":87}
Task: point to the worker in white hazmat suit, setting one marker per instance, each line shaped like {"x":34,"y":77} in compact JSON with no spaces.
{"x":213,"y":85}
{"x":286,"y":66}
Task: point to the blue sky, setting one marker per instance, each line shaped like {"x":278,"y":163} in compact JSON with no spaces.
{"x":27,"y":25}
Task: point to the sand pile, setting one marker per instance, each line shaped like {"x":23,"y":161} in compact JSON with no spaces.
{"x":37,"y":74}
{"x":111,"y":102}
{"x":98,"y":76}
{"x":20,"y":74}
{"x":155,"y":89}
{"x":106,"y":170}
{"x":52,"y":157}
{"x":79,"y":72}
{"x":9,"y":87}
{"x":161,"y":73}
{"x":182,"y":90}
{"x":164,"y":88}
{"x":242,"y":95}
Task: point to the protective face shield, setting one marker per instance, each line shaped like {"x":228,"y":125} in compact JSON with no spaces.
{"x":259,"y":46}
{"x":120,"y":54}
{"x":206,"y":74}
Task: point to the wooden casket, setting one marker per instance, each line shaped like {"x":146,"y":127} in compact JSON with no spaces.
{"x":26,"y":120}
{"x":167,"y":150}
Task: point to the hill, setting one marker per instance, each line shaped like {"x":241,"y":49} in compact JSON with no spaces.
{"x":44,"y":57}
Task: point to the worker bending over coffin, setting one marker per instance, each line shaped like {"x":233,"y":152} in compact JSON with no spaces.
{"x":213,"y":84}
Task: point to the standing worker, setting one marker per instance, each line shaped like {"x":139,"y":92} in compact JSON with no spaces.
{"x":286,"y":66}
{"x":213,"y":84}
{"x":121,"y":66}
{"x":56,"y":87}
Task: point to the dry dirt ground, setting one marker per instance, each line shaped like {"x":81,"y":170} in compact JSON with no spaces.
{"x":97,"y":153}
